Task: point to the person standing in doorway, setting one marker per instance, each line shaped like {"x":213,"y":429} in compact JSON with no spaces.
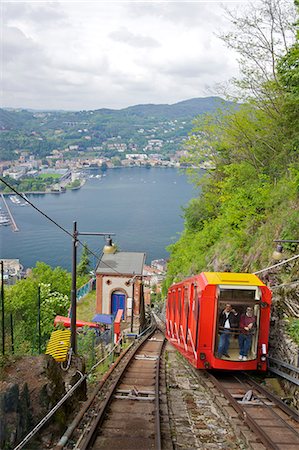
{"x":227,"y":321}
{"x":247,"y":327}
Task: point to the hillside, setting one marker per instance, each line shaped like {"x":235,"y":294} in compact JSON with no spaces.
{"x":40,"y":132}
{"x":22,"y":119}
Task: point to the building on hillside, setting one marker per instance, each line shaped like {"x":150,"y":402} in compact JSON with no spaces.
{"x":12,"y":270}
{"x":152,"y":281}
{"x":118,"y":281}
{"x":159,"y":264}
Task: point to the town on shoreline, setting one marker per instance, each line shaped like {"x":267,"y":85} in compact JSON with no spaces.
{"x":31,"y":175}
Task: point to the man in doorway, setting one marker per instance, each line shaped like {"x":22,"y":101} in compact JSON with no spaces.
{"x":227,"y":321}
{"x":247,"y":326}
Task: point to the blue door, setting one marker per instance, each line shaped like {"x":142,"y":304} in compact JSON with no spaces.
{"x":117,"y":302}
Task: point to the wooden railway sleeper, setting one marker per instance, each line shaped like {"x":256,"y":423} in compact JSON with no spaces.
{"x":145,"y":357}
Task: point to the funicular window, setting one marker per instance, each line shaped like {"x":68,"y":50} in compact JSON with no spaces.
{"x":179,"y":302}
{"x":178,"y":310}
{"x":238,"y":314}
{"x":173,"y":304}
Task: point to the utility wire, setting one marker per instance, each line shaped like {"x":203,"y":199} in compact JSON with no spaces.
{"x":276,"y":265}
{"x":35,"y":207}
{"x":54,"y":222}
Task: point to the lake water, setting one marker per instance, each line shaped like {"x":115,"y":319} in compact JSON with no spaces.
{"x":143,"y":207}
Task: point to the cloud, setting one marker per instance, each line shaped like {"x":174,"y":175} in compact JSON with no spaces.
{"x":135,"y":40}
{"x":191,"y":14}
{"x":70,"y":55}
{"x":16,"y":45}
{"x":35,"y":13}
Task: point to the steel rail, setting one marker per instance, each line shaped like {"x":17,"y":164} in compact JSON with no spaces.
{"x":91,"y":436}
{"x":291,"y":412}
{"x":157,"y":401}
{"x":71,"y":428}
{"x":278,"y":402}
{"x":245,"y":416}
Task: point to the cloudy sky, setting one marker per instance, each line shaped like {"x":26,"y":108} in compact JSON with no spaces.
{"x":86,"y":55}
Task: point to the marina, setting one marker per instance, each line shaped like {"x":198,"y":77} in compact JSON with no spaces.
{"x":8,"y":220}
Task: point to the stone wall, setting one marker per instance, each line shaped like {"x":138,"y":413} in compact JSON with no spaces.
{"x":282,"y":347}
{"x":30,"y":389}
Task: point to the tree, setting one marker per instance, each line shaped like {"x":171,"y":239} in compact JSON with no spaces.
{"x":261,"y":35}
{"x":22,"y":303}
{"x":252,"y":153}
{"x":83,"y":267}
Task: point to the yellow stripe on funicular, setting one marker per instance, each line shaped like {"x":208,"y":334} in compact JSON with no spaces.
{"x":248,"y":279}
{"x":59,"y":344}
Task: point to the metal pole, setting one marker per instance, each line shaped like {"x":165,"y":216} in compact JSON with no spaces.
{"x":142,"y":309}
{"x":2,"y":308}
{"x":132,"y":314}
{"x":11,"y":334}
{"x":74,"y":291}
{"x":38,"y":320}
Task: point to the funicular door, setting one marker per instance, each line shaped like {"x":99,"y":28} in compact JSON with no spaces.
{"x":194,"y":316}
{"x":241,"y":303}
{"x":186,"y":313}
{"x":178,"y":309}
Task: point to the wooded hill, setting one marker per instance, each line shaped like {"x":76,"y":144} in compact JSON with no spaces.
{"x":251,"y":197}
{"x":42,"y":131}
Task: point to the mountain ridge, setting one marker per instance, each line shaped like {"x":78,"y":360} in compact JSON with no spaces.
{"x":185,"y":108}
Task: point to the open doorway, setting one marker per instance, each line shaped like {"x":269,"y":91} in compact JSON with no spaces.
{"x":237,"y":326}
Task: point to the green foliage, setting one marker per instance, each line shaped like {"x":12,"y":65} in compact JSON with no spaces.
{"x":250,"y":195}
{"x":83,"y":268}
{"x":293,"y":329}
{"x":21,"y":301}
{"x":52,"y":304}
{"x":42,"y":132}
{"x":86,"y":307}
{"x":86,"y":346}
{"x":74,"y":184}
{"x":40,"y":183}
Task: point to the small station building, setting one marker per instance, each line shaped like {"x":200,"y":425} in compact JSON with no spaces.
{"x":118,"y":282}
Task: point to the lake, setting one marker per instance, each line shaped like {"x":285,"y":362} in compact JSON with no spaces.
{"x":143,"y":207}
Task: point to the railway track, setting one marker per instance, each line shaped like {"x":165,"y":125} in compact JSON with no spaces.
{"x":273,"y":423}
{"x":128,"y":417}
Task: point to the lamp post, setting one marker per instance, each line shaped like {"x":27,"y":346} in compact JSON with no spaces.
{"x":132,"y":311}
{"x":277,"y":254}
{"x":76,"y":233}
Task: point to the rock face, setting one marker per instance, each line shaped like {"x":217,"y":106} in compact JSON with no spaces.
{"x":32,"y":386}
{"x":282,"y":347}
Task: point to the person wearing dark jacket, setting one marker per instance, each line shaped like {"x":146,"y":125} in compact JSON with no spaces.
{"x":227,"y":320}
{"x":247,"y":326}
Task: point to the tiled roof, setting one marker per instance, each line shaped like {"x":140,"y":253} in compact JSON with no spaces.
{"x":124,"y":263}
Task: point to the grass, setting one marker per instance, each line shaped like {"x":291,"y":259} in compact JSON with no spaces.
{"x":49,"y":175}
{"x":86,"y":307}
{"x":293,"y":330}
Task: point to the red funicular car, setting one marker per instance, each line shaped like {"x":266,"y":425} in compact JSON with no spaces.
{"x":196,"y":320}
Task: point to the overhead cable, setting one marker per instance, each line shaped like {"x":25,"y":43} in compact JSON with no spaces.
{"x":54,"y":222}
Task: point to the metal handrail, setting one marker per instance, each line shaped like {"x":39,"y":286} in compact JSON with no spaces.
{"x":283,"y":374}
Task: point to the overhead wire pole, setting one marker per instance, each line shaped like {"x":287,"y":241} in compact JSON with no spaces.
{"x":74,"y":282}
{"x":74,"y":236}
{"x":74,"y":291}
{"x":2,"y":308}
